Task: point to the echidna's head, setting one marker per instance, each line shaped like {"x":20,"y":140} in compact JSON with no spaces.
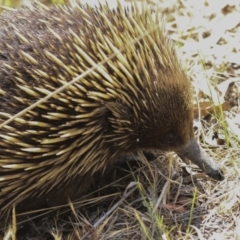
{"x":159,"y":114}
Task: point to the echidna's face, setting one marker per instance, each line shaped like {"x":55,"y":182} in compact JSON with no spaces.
{"x":172,"y":130}
{"x":170,"y":126}
{"x":161,"y":118}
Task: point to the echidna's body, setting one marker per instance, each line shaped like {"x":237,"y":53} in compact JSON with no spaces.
{"x":140,"y":99}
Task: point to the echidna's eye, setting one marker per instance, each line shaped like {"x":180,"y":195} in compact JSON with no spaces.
{"x":170,"y":138}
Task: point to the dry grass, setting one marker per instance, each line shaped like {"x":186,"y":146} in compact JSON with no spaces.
{"x":160,"y":199}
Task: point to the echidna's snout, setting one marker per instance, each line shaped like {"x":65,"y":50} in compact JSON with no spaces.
{"x":195,"y":153}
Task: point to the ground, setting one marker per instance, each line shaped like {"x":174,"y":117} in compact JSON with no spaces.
{"x":164,"y":198}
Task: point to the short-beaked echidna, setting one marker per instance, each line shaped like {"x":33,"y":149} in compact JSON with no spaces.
{"x":139,"y":99}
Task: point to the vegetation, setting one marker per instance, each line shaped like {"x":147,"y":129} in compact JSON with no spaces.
{"x":164,"y":198}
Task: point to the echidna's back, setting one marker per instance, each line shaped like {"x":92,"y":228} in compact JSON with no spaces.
{"x":33,"y":32}
{"x":36,"y":58}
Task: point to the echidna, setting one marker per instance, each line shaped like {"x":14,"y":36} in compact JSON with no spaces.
{"x":140,"y":98}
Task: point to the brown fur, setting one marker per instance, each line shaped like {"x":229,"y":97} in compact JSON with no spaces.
{"x":140,"y":99}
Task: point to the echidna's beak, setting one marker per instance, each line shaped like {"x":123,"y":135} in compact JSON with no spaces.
{"x":195,"y":153}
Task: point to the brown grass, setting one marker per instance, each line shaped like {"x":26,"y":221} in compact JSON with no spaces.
{"x":160,"y":199}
